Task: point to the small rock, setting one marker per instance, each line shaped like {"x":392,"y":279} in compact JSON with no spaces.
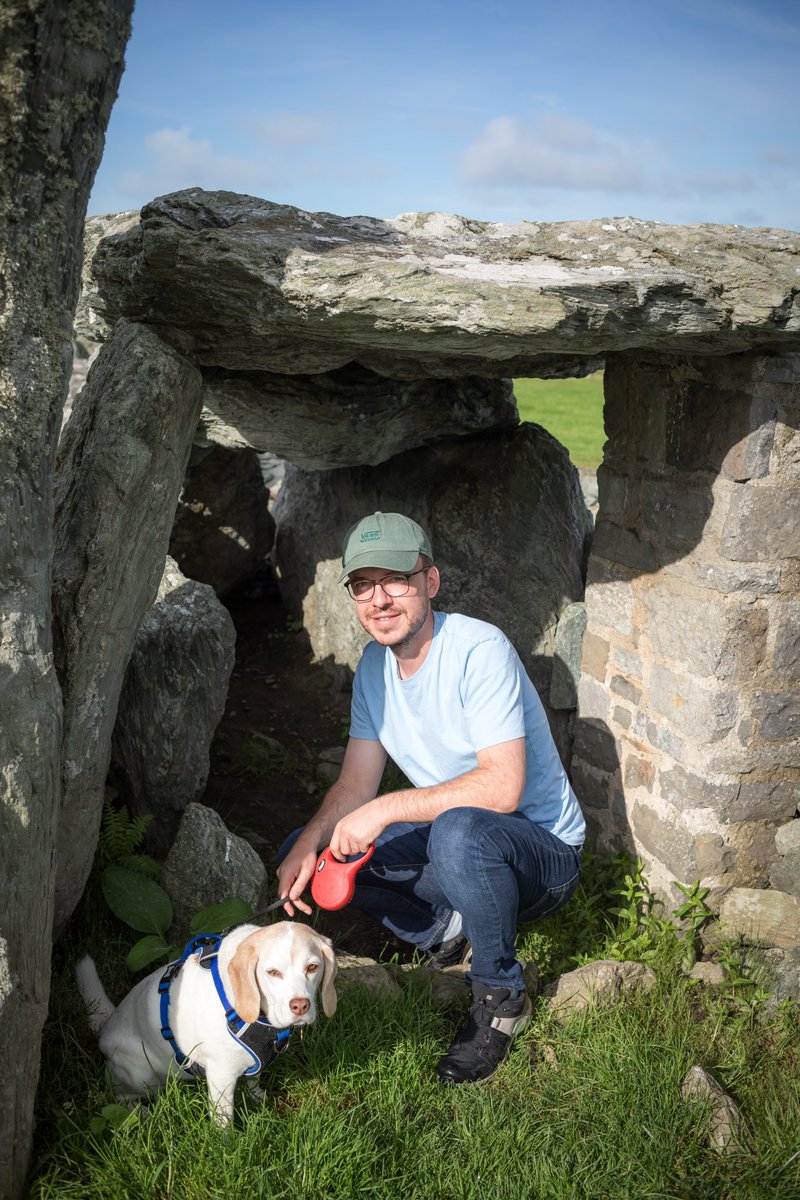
{"x":724,"y":1127}
{"x":596,"y":983}
{"x":367,"y":972}
{"x":711,"y":974}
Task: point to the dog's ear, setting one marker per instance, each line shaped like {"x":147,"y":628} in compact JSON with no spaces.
{"x":328,"y":991}
{"x":242,"y":971}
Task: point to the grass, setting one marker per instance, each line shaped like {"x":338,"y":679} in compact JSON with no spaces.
{"x":353,"y":1108}
{"x":570,"y":409}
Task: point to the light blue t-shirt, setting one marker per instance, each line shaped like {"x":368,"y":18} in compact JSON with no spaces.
{"x":471,"y":692}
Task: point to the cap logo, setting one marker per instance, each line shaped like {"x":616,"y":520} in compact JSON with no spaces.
{"x":370,"y":535}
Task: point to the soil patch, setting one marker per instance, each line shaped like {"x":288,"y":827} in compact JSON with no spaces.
{"x":283,"y":712}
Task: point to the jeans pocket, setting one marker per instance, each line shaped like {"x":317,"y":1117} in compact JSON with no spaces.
{"x":550,"y":901}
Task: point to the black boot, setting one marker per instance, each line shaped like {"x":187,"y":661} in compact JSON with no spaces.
{"x":449,"y":954}
{"x":481,"y":1046}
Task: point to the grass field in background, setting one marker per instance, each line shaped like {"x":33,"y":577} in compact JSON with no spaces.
{"x":570,"y":409}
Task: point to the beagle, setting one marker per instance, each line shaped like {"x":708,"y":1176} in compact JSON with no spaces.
{"x":267,"y":975}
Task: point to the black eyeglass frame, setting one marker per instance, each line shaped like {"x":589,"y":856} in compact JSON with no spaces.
{"x":379,"y":582}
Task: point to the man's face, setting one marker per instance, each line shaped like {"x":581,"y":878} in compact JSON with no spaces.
{"x":397,"y":621}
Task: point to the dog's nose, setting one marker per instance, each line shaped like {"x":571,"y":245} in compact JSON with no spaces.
{"x":299,"y":1006}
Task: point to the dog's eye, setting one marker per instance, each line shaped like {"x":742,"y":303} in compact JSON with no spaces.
{"x":275,"y":973}
{"x":311,"y":968}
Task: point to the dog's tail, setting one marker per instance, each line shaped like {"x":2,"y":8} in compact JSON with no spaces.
{"x":93,"y":993}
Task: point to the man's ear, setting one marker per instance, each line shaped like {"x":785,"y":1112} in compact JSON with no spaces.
{"x":434,"y":579}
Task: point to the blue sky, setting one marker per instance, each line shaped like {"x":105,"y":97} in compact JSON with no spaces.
{"x":674,"y":110}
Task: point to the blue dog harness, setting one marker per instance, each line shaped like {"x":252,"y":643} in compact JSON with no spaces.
{"x":261,"y":1040}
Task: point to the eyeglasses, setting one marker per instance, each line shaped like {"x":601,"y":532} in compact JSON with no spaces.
{"x":393,"y":586}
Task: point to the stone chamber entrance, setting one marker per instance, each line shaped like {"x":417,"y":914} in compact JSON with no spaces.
{"x":373,"y":358}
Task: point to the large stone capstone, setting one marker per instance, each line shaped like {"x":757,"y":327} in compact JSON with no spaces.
{"x":249,"y":285}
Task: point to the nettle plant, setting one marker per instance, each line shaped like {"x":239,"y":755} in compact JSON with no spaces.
{"x":129,"y":882}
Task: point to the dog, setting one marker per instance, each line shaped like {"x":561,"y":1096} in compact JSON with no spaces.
{"x":269,"y":975}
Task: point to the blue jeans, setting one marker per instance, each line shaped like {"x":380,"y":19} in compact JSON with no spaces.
{"x":494,"y":868}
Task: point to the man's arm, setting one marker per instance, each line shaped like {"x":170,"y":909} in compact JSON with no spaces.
{"x":358,"y":782}
{"x":496,"y":783}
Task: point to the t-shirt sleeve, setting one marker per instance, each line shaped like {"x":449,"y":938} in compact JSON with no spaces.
{"x":492,"y":697}
{"x":361,"y":724}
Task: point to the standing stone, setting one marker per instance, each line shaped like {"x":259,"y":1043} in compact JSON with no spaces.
{"x":121,"y":465}
{"x":172,"y":699}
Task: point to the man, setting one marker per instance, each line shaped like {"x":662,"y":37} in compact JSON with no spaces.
{"x":490,"y":832}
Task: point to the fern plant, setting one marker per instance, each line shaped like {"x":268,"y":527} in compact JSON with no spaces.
{"x":119,"y":841}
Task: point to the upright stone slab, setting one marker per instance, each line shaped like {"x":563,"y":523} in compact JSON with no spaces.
{"x":686,"y":745}
{"x":121,"y":463}
{"x":512,"y":554}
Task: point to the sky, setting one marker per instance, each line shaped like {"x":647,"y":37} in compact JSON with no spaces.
{"x":682,"y":111}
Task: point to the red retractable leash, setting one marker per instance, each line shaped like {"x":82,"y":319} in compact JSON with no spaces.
{"x":334,"y":881}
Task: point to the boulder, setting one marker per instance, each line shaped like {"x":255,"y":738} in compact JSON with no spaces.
{"x":223,"y":529}
{"x":172,"y":699}
{"x":513,"y":555}
{"x":595,"y":983}
{"x":252,"y":285}
{"x":347,"y":417}
{"x":208,"y":864}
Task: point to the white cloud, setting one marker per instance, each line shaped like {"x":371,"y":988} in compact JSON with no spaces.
{"x":551,"y":151}
{"x":177,"y":160}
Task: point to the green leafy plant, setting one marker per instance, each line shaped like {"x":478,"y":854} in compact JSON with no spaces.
{"x":136,"y":898}
{"x":638,"y":927}
{"x":693,"y":913}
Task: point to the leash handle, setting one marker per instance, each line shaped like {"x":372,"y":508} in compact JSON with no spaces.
{"x":334,"y":881}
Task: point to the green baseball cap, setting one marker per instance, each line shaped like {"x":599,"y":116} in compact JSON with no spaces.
{"x":387,"y":540}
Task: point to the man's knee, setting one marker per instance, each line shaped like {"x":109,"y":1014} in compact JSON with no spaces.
{"x":456,"y":834}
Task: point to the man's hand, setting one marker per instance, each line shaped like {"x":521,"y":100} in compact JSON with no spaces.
{"x":356,"y":832}
{"x":294,"y":873}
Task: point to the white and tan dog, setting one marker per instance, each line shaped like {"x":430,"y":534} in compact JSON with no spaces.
{"x":272,"y":972}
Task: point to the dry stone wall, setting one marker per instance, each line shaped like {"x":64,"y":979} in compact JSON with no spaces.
{"x":686,"y":746}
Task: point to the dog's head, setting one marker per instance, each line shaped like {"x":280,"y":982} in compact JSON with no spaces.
{"x":278,"y":971}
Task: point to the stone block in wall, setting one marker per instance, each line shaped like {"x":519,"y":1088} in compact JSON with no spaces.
{"x":754,"y":845}
{"x":761,"y":916}
{"x":685,"y":790}
{"x":778,"y":716}
{"x":785,"y":873}
{"x":594,"y":702}
{"x":622,"y":717}
{"x":595,"y":744}
{"x":711,"y":638}
{"x":729,"y":579}
{"x":695,"y":707}
{"x":762,"y":524}
{"x":624,"y":546}
{"x":629,"y":664}
{"x":639,"y":772}
{"x":609,"y":600}
{"x":623,"y":687}
{"x":591,"y":785}
{"x":786,"y":662}
{"x":712,"y":857}
{"x":739,"y":446}
{"x":612,"y":491}
{"x":666,"y":839}
{"x":595,"y":656}
{"x":658,"y":735}
{"x":567,"y":653}
{"x":673,"y":514}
